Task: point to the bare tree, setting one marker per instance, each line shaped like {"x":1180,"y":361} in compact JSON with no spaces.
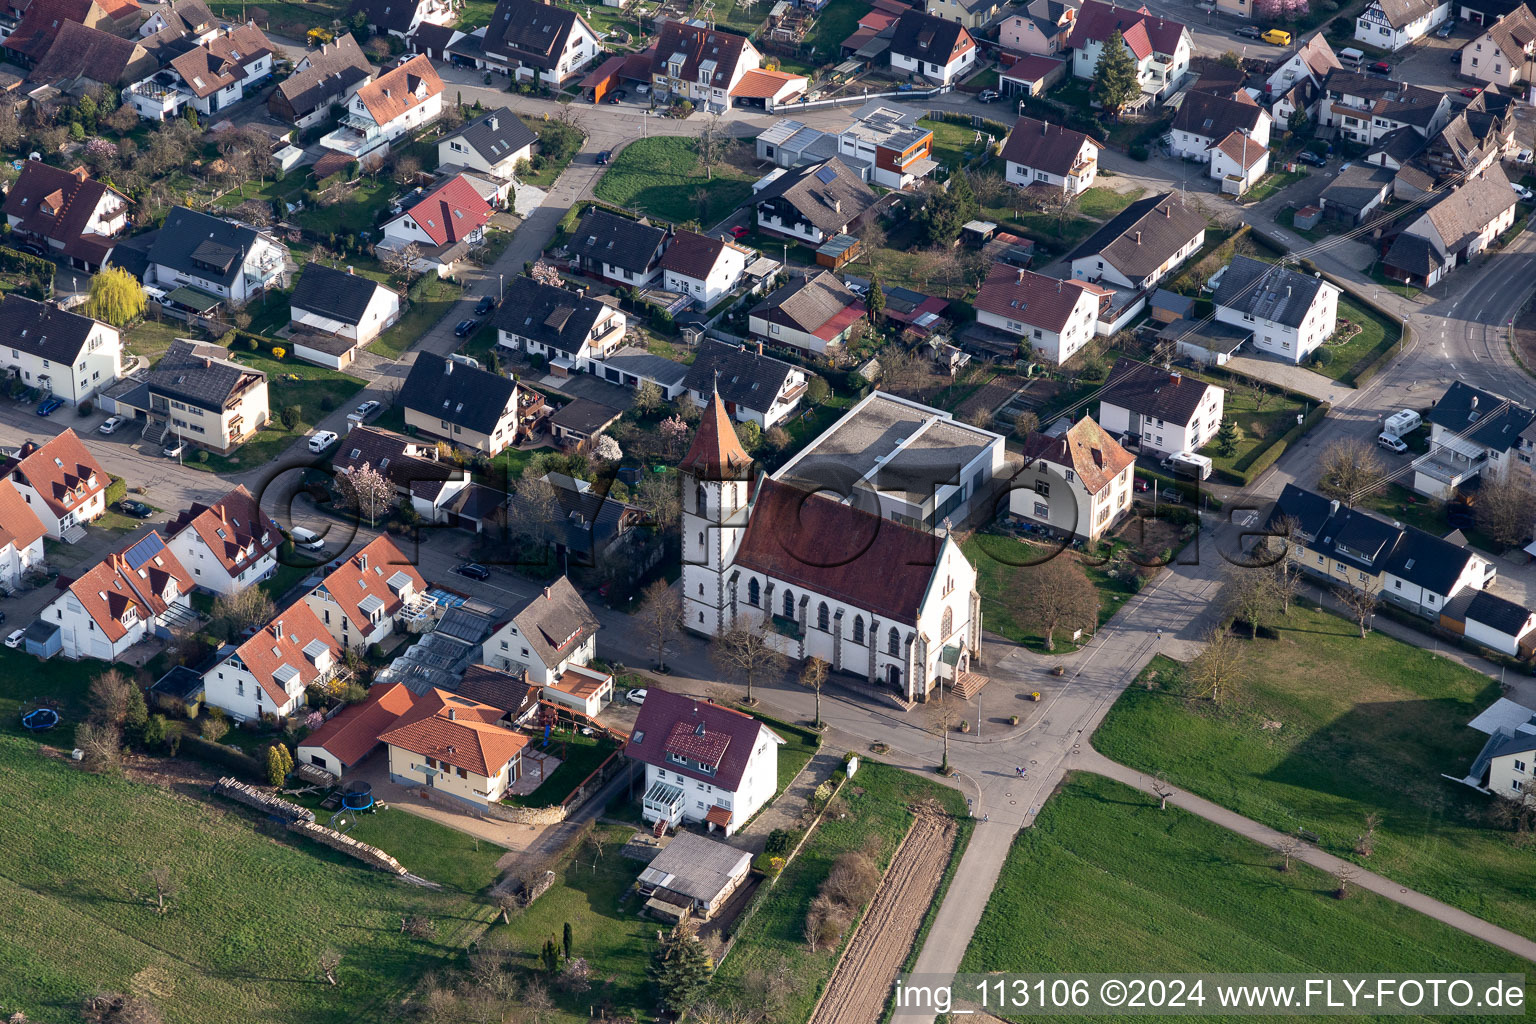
{"x":108,"y":698}
{"x":1360,"y":602}
{"x":746,"y":654}
{"x":1214,"y":673}
{"x":1365,"y":843}
{"x":1344,"y":878}
{"x":1288,"y":848}
{"x":535,"y":507}
{"x":407,"y":169}
{"x":1349,"y":470}
{"x":234,"y":613}
{"x":1505,"y":510}
{"x":1248,"y":595}
{"x":1162,"y":790}
{"x":1056,"y":594}
{"x":661,"y":618}
{"x":165,"y":885}
{"x":813,"y":676}
{"x":1285,"y":574}
{"x":101,"y":746}
{"x":328,"y":961}
{"x":1053,"y":202}
{"x":989,"y":187}
{"x":714,"y":144}
{"x":402,"y":262}
{"x":945,"y":724}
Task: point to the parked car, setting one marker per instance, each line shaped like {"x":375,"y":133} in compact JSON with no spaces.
{"x":14,"y":640}
{"x":485,"y":305}
{"x":988,"y":96}
{"x":642,"y":90}
{"x":110,"y":425}
{"x":636,"y":696}
{"x":602,"y":158}
{"x":322,"y":440}
{"x":474,"y":571}
{"x":1446,"y":28}
{"x":466,"y":328}
{"x":1392,"y":443}
{"x":1521,"y":191}
{"x":739,"y":231}
{"x":1248,"y":32}
{"x":33,"y":248}
{"x":363,"y":411}
{"x":137,"y":509}
{"x":307,"y":540}
{"x":48,"y":405}
{"x":1381,"y":67}
{"x":1471,"y":91}
{"x":616,"y":95}
{"x":175,"y":450}
{"x":1525,"y":156}
{"x":1306,"y":156}
{"x":1276,"y":37}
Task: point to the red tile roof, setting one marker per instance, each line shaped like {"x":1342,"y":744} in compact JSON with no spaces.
{"x":716,"y":452}
{"x":450,"y":212}
{"x":56,"y":203}
{"x":62,"y":471}
{"x":110,"y":587}
{"x":718,"y":816}
{"x":1097,"y":20}
{"x":282,"y":642}
{"x":1086,"y":449}
{"x":760,"y":83}
{"x":1244,"y":151}
{"x":367,"y":574}
{"x":454,"y":729}
{"x":395,"y":92}
{"x":350,"y":734}
{"x":665,"y":715}
{"x":19,"y":525}
{"x":233,"y":528}
{"x":1029,"y":298}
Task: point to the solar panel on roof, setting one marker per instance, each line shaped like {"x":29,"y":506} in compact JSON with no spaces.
{"x":143,"y":551}
{"x":825,"y":175}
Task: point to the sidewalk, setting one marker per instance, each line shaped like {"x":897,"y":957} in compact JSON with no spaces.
{"x":1092,"y":761}
{"x":788,"y":811}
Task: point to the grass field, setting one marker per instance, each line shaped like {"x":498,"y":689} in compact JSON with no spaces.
{"x":431,"y":299}
{"x":1366,"y":725}
{"x":1105,"y":882}
{"x":243,"y":934}
{"x":1260,"y":427}
{"x":878,"y":798}
{"x":426,"y":848}
{"x":150,"y":338}
{"x":1375,"y":334}
{"x":954,"y":143}
{"x":1003,"y":567}
{"x":583,"y":756}
{"x":661,"y":177}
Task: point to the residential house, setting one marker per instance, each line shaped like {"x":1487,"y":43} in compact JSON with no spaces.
{"x":704,"y":763}
{"x":973,"y":14}
{"x":1160,"y":412}
{"x":1160,"y":46}
{"x":568,"y":329}
{"x":819,"y":577}
{"x":43,"y":20}
{"x":207,"y":78}
{"x":908,"y":462}
{"x":58,"y":352}
{"x":535,"y":41}
{"x":810,"y":313}
{"x":1312,"y":60}
{"x":813,"y":203}
{"x":359,"y":600}
{"x":617,"y":249}
{"x":706,"y":269}
{"x":214,"y":260}
{"x":415,"y":467}
{"x":268,"y":673}
{"x":931,"y":47}
{"x":1206,"y":119}
{"x":198,"y":395}
{"x":129,"y":596}
{"x":553,"y":639}
{"x":695,"y":62}
{"x":693,"y":877}
{"x":1393,"y":24}
{"x":1031,"y":75}
{"x":1290,"y":313}
{"x":769,"y":90}
{"x":334,"y":313}
{"x":456,"y":748}
{"x":189,"y":19}
{"x":1504,"y":765}
{"x":322,"y":78}
{"x":1238,"y":163}
{"x":441,"y":228}
{"x":493,"y":143}
{"x":597,"y":525}
{"x":1041,"y":29}
{"x":1056,"y":318}
{"x":400,"y":18}
{"x":1366,"y":107}
{"x":1460,"y":151}
{"x":1473,"y":434}
{"x":1142,"y":244}
{"x":1505,"y":53}
{"x":1040,"y":153}
{"x":69,"y":212}
{"x":21,"y":538}
{"x":1356,"y":192}
{"x":874,"y":30}
{"x":886,"y":145}
{"x":469,"y":407}
{"x":228,"y":546}
{"x":61,"y":482}
{"x":1452,"y":230}
{"x":80,"y":55}
{"x":1347,"y":547}
{"x":352,"y":733}
{"x":754,"y":387}
{"x":397,"y":102}
{"x":1499,"y":624}
{"x":1076,"y":483}
{"x":578,"y":421}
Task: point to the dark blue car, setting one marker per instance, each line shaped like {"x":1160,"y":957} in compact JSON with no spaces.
{"x":49,"y":404}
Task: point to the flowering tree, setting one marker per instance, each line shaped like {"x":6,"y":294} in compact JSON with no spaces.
{"x":366,"y":492}
{"x":101,"y":149}
{"x":674,"y":434}
{"x":545,"y":273}
{"x":606,"y":448}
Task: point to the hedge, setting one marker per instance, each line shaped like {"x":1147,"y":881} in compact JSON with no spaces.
{"x":117,"y":490}
{"x":1267,"y":457}
{"x":194,"y":745}
{"x":14,"y":261}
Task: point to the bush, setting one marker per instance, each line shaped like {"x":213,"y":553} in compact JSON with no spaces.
{"x":117,"y":490}
{"x":1322,"y":357}
{"x":780,"y":840}
{"x":243,"y":764}
{"x":278,"y":352}
{"x":1138,"y":152}
{"x":290,"y":417}
{"x":202,"y":455}
{"x":85,"y":409}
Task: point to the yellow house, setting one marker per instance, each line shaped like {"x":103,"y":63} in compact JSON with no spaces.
{"x":970,"y":13}
{"x":455,"y":747}
{"x":461,"y":404}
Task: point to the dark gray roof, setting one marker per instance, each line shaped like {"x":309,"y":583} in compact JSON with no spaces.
{"x":631,"y":245}
{"x":42,"y":329}
{"x":1428,"y":561}
{"x":828,"y":194}
{"x":1210,"y":334}
{"x":201,"y":246}
{"x":495,"y":135}
{"x":386,"y":15}
{"x":635,"y":360}
{"x":584,"y":416}
{"x":1046,"y":146}
{"x":201,"y":375}
{"x":1152,"y":391}
{"x":132,"y":254}
{"x":1498,"y":613}
{"x":462,"y":395}
{"x":744,"y":376}
{"x":1214,"y":116}
{"x":927,"y":37}
{"x":1415,"y":254}
{"x":1357,"y":186}
{"x":333,"y":69}
{"x":1401,"y":144}
{"x":1267,"y":291}
{"x":1143,"y":237}
{"x":806,"y":303}
{"x":1481,"y":417}
{"x":1397,"y":101}
{"x":550,"y":315}
{"x":592,"y":519}
{"x":1500,"y":743}
{"x":334,"y":294}
{"x":555,"y":621}
{"x":498,"y":689}
{"x":532,"y":32}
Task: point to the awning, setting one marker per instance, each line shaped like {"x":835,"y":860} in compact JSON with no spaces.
{"x":194,"y":299}
{"x":718,"y":816}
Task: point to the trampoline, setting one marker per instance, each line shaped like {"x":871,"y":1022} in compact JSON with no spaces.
{"x":39,"y":719}
{"x":358,"y":797}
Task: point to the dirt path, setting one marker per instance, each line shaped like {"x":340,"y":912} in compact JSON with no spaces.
{"x":864,"y":975}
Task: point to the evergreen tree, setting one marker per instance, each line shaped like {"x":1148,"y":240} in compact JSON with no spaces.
{"x":1114,"y":77}
{"x":137,"y":711}
{"x":947,"y":209}
{"x":875,"y":300}
{"x":1227,"y":436}
{"x":680,"y":970}
{"x":276,"y":773}
{"x":568,"y":940}
{"x":549,"y":956}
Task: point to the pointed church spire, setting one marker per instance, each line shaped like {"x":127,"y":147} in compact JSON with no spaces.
{"x":716,"y":453}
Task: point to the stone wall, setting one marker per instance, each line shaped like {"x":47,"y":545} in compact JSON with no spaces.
{"x":239,"y":792}
{"x":526,"y":815}
{"x":370,"y":855}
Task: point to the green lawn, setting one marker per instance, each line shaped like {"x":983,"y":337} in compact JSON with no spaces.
{"x":254,"y":909}
{"x":1271,"y":183}
{"x":1102,"y":203}
{"x":548,"y":170}
{"x":431,"y":298}
{"x":1365,"y":725}
{"x":1376,"y":334}
{"x":1286,"y":219}
{"x":878,"y":800}
{"x":1403,"y":505}
{"x":836,"y":22}
{"x":583,"y":756}
{"x":954,"y":144}
{"x":426,"y":848}
{"x":800,"y":745}
{"x":661,"y":177}
{"x":150,"y":338}
{"x":1003,"y":569}
{"x":360,"y":210}
{"x":1407,"y":291}
{"x":1105,"y":882}
{"x":1260,"y":427}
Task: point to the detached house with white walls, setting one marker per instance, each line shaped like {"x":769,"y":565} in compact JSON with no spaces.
{"x":1076,"y":483}
{"x":754,"y":387}
{"x":398,"y":101}
{"x":218,"y":262}
{"x":456,"y":748}
{"x":1505,"y":53}
{"x":330,"y":74}
{"x":931,"y":47}
{"x":1161,"y":47}
{"x":704,"y":764}
{"x":568,"y":329}
{"x":553,"y":640}
{"x":493,"y":143}
{"x":1055,"y":318}
{"x":530,"y":40}
{"x":443,"y":226}
{"x":811,"y":313}
{"x":616,"y":249}
{"x":129,"y":596}
{"x":1040,"y":153}
{"x":701,"y":64}
{"x":56,"y":351}
{"x":1290,"y":313}
{"x":268,"y":673}
{"x":1212,"y":127}
{"x":334,"y":313}
{"x":1366,"y":108}
{"x":1159,"y":412}
{"x":1393,"y":24}
{"x":468,"y":407}
{"x":70,"y":212}
{"x":813,"y":203}
{"x":21,"y":537}
{"x":61,"y":482}
{"x":1452,"y":230}
{"x":705,"y":268}
{"x":1142,"y":244}
{"x":227,"y":546}
{"x":1299,"y":76}
{"x":207,"y":78}
{"x":1474,"y":435}
{"x":359,"y":600}
{"x":400,"y":18}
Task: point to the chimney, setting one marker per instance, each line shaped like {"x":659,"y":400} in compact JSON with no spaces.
{"x":447,"y":365}
{"x":1474,"y":401}
{"x":547,"y":594}
{"x":494,"y":122}
{"x":837,"y":204}
{"x":453,"y":715}
{"x":362,"y":560}
{"x":1175,"y":378}
{"x":277,"y":628}
{"x":1168,"y":213}
{"x":759,"y":346}
{"x":1058,"y":286}
{"x":1333,"y":507}
{"x":1021,"y":276}
{"x":1138,"y":238}
{"x":1045,"y":128}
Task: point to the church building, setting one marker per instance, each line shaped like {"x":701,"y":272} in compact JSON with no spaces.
{"x":820,"y":577}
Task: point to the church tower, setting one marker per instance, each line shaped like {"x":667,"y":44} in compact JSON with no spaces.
{"x":716,"y":480}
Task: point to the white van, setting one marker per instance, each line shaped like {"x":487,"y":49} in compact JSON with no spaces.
{"x":1351,"y":57}
{"x":307,"y":540}
{"x":1402,"y":423}
{"x":1188,"y":464}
